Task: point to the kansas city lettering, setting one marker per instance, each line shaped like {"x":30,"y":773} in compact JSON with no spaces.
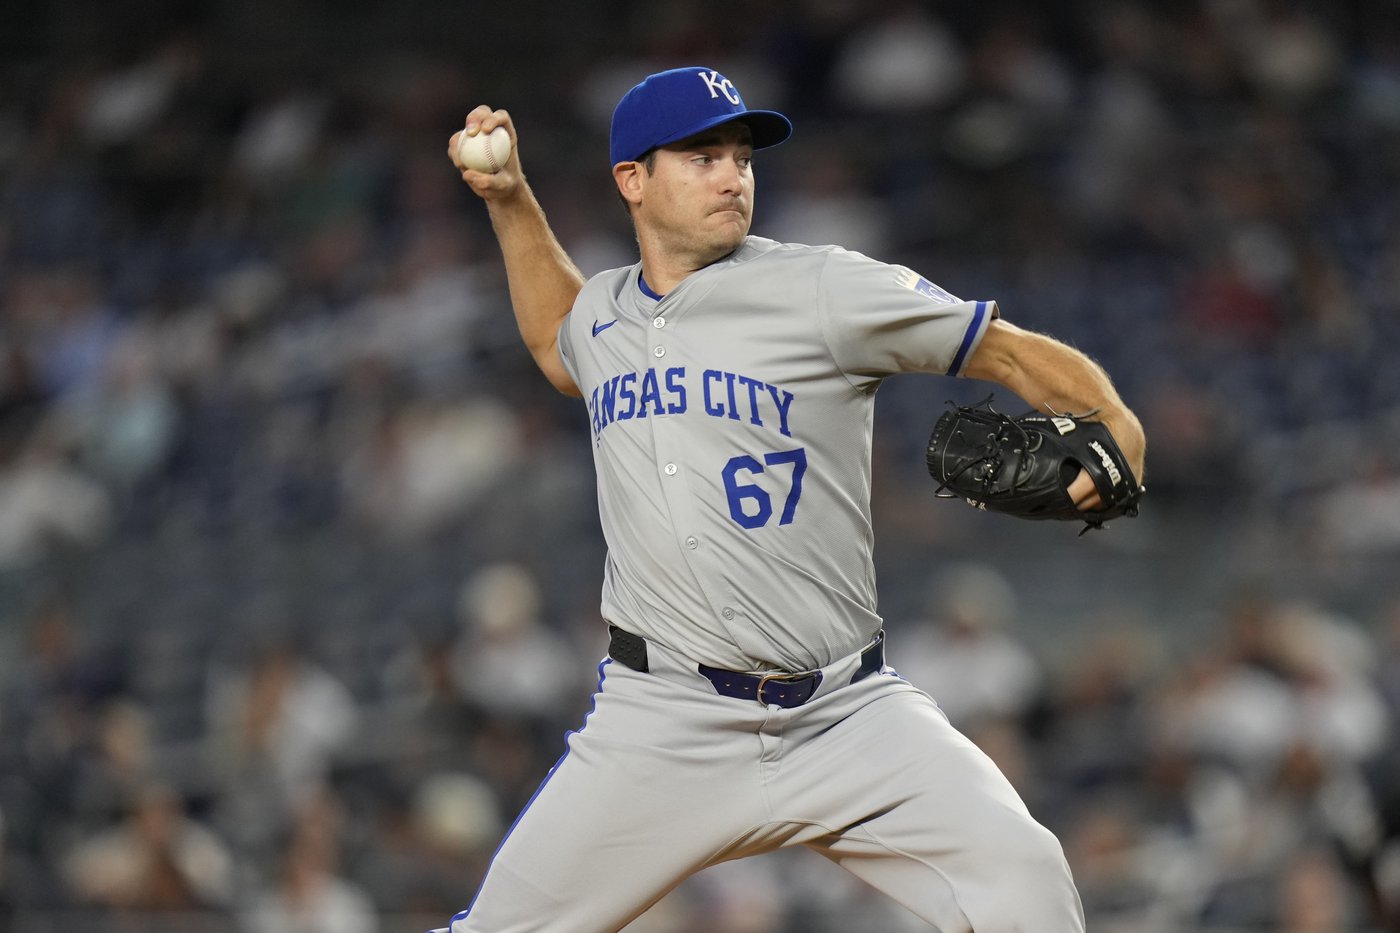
{"x":657,"y":393}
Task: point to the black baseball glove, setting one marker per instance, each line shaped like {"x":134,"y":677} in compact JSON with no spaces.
{"x":1023,"y":466}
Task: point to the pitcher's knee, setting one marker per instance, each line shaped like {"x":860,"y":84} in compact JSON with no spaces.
{"x":1041,"y":855}
{"x":1039,"y":893}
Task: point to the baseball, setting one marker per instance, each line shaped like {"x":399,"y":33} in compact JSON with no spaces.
{"x":484,"y":152}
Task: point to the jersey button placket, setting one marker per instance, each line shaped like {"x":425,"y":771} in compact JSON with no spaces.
{"x":671,"y":469}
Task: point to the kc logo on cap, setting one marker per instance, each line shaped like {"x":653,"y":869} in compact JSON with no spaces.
{"x":719,"y":84}
{"x":672,"y":105}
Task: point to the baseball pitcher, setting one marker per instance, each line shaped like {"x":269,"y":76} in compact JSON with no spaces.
{"x":745,"y":704}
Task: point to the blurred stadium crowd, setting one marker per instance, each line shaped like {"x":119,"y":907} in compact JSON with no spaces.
{"x":299,"y":557}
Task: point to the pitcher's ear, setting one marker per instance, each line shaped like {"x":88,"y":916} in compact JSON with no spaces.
{"x":628,"y":176}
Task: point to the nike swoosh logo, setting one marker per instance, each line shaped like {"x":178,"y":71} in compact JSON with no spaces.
{"x":599,"y":328}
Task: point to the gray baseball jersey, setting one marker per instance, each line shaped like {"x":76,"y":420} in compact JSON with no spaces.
{"x":732,"y":425}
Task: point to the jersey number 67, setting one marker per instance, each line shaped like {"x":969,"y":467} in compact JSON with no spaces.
{"x":761,"y":510}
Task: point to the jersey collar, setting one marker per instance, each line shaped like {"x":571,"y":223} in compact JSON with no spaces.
{"x":647,"y":289}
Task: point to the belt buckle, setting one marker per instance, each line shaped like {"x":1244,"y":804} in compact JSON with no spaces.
{"x":781,"y":677}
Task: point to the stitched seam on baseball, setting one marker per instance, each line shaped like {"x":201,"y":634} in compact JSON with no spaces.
{"x":491,"y":155}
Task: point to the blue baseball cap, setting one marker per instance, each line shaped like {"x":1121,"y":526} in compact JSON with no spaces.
{"x":671,"y":105}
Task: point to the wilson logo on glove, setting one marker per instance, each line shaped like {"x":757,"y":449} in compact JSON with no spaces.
{"x":1107,"y":461}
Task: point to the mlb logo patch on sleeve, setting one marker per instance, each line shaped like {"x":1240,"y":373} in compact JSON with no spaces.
{"x":912,"y":280}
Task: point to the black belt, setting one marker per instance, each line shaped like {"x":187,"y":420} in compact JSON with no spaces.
{"x":777,"y":689}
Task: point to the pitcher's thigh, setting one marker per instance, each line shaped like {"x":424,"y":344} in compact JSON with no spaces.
{"x":566,"y":867}
{"x":620,"y":820}
{"x":944,"y":832}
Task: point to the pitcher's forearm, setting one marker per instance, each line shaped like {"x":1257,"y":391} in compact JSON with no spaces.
{"x":543,"y":280}
{"x":1055,"y":377}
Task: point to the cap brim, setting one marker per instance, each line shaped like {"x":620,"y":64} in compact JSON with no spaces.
{"x":767,"y":126}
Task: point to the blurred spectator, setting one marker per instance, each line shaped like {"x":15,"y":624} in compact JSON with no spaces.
{"x":458,"y":819}
{"x":125,"y":427}
{"x":899,"y":58}
{"x":1362,"y":513}
{"x":431,"y":717}
{"x":277,"y":139}
{"x":1281,"y":719}
{"x":1331,"y":660}
{"x":157,"y":858}
{"x":128,"y":101}
{"x":1098,"y":737}
{"x":830,"y":207}
{"x":119,"y":765}
{"x":963,"y":651}
{"x":508,"y":661}
{"x":1196,"y":442}
{"x":49,"y":701}
{"x":306,"y":894}
{"x":46,"y":502}
{"x":1286,"y":52}
{"x":513,"y":756}
{"x":69,"y":325}
{"x":432,"y":841}
{"x":276,"y":727}
{"x":426,"y":462}
{"x":1286,"y":675}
